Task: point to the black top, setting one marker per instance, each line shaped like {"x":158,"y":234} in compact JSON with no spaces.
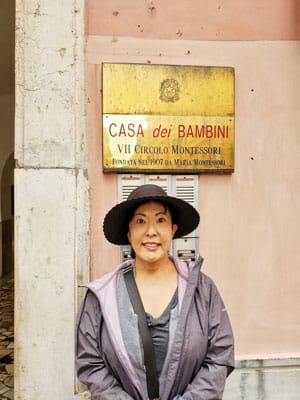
{"x":159,"y":328}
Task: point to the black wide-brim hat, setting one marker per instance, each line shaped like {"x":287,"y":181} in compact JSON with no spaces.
{"x":115,"y":225}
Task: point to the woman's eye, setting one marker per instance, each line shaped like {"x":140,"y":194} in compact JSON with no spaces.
{"x":161,"y":219}
{"x":139,"y":221}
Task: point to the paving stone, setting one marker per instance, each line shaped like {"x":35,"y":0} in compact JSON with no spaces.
{"x":9,"y":395}
{"x":2,"y":384}
{"x":4,"y":390}
{"x":9,"y":381}
{"x":6,"y":339}
{"x":9,"y":369}
{"x":4,"y":353}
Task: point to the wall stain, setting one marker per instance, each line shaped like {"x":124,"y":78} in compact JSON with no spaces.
{"x":62,"y":51}
{"x":260,"y":381}
{"x":243,"y":386}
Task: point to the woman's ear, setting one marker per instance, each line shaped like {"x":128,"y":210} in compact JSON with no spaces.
{"x":174,"y":229}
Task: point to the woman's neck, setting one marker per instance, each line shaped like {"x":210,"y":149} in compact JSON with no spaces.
{"x":156,"y":284}
{"x":161,"y":267}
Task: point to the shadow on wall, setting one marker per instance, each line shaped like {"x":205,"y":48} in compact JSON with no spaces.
{"x":296,"y":18}
{"x":7,"y":217}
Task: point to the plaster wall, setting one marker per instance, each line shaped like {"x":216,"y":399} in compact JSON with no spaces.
{"x":249,"y":224}
{"x":250,"y":219}
{"x":195,"y":20}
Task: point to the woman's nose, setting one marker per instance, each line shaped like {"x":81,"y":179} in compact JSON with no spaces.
{"x":151,"y":231}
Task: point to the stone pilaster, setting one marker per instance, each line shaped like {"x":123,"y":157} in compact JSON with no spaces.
{"x":51,"y":195}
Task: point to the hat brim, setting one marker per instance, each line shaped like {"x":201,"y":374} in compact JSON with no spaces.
{"x":115,"y":225}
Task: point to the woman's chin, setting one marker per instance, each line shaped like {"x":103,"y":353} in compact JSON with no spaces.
{"x":151,"y":256}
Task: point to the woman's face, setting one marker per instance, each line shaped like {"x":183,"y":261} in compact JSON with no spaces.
{"x":150,"y":232}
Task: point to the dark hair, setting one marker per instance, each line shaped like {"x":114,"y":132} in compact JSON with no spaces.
{"x":132,"y":252}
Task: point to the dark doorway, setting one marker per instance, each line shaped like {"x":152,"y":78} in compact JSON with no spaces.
{"x":7,"y":133}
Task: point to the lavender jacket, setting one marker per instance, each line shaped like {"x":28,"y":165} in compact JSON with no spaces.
{"x":200,"y":357}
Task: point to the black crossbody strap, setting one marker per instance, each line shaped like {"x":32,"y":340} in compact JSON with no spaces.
{"x":149,"y":357}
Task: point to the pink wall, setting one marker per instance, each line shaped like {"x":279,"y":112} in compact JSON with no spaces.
{"x":196,"y":20}
{"x":249,"y":234}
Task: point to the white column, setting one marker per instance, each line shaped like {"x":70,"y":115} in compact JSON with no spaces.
{"x":51,"y":195}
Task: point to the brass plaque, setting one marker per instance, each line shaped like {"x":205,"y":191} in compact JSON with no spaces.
{"x":167,"y":118}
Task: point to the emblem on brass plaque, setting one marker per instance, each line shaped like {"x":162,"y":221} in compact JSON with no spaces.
{"x":169,"y":90}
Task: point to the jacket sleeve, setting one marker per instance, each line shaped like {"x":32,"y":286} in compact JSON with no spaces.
{"x":209,"y":382}
{"x":90,"y":366}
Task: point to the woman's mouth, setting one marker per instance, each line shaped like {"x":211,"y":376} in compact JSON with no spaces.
{"x":151,"y":246}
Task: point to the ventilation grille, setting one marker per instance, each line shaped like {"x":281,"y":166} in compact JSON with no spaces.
{"x":127,"y":183}
{"x":186,"y":193}
{"x":161,"y":181}
{"x":126,"y":190}
{"x":184,"y":188}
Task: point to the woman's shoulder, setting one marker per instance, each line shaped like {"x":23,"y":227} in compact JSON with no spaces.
{"x":185,"y":267}
{"x":194,"y":269}
{"x":108,"y":278}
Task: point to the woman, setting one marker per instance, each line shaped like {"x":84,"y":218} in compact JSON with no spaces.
{"x":192,"y":341}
